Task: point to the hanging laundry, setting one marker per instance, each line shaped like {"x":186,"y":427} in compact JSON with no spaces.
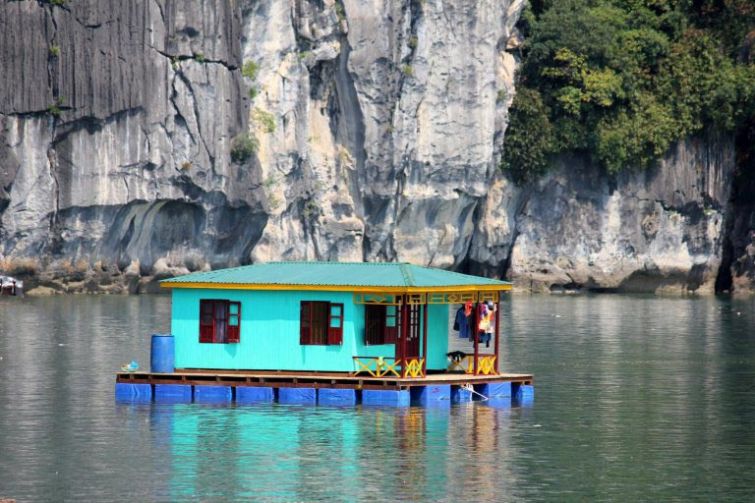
{"x":483,"y":325}
{"x":486,"y":322}
{"x":461,"y":324}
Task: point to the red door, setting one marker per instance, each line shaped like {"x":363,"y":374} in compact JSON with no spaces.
{"x":412,"y":340}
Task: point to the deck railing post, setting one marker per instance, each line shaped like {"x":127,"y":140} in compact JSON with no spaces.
{"x":424,"y":337}
{"x":404,"y":334}
{"x":475,"y":325}
{"x":497,"y":334}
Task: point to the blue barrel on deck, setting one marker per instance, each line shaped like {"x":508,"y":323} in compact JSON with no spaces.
{"x":162,"y":356}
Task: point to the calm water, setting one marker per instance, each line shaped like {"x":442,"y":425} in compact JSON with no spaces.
{"x":636,"y":399}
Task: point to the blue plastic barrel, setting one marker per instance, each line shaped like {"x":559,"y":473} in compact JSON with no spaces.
{"x":162,"y":356}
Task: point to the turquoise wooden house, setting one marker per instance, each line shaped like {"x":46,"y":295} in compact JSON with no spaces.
{"x":375,"y":320}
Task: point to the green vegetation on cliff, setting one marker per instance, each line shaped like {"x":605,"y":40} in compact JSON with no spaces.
{"x":621,"y":80}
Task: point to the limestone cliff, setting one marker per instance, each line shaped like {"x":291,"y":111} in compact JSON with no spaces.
{"x":140,"y":139}
{"x":376,"y":125}
{"x":656,"y":230}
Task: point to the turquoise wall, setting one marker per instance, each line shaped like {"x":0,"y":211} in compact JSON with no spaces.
{"x":270,"y":333}
{"x":437,"y":337}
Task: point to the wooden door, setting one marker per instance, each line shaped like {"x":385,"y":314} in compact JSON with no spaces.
{"x":412,"y":340}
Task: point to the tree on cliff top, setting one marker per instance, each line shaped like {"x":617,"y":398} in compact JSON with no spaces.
{"x":621,"y":80}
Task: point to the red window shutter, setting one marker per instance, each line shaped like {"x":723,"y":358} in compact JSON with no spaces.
{"x":335,"y":324}
{"x":205,"y":333}
{"x":305,"y":323}
{"x":234,"y":322}
{"x":206,"y":321}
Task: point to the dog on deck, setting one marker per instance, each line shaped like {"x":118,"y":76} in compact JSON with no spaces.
{"x":456,"y":356}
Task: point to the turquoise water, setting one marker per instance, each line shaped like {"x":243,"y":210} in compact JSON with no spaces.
{"x":636,"y":398}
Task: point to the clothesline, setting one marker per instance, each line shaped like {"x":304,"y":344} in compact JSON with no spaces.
{"x":480,"y":326}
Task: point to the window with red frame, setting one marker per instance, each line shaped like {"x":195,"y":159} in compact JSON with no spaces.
{"x":321,"y":323}
{"x":219,"y":321}
{"x":380,"y":324}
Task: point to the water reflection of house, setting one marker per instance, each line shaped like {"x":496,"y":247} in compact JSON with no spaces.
{"x":380,"y":454}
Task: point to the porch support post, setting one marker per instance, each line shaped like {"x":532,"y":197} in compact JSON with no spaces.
{"x":476,"y":335}
{"x":424,"y":338}
{"x":404,"y":335}
{"x":497,"y":333}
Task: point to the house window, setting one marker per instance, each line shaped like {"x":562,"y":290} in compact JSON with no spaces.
{"x":219,"y":321}
{"x":321,"y":323}
{"x":380,"y":324}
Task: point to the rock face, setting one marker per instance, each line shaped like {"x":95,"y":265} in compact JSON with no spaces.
{"x":115,"y":125}
{"x":371,"y":156}
{"x":658,"y":230}
{"x":118,"y":121}
{"x":141,"y":139}
{"x":737,"y":273}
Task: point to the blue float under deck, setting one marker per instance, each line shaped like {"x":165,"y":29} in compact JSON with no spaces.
{"x":321,"y":388}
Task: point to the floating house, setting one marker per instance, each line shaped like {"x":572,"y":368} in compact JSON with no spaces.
{"x":11,"y":286}
{"x":326,"y":331}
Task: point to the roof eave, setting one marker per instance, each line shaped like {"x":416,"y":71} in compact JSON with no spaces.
{"x":501,"y":287}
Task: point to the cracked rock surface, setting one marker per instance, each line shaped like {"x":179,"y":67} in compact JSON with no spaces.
{"x":115,"y":123}
{"x":659,"y":230}
{"x":145,"y":138}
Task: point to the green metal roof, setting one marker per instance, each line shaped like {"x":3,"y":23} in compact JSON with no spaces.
{"x":336,"y":274}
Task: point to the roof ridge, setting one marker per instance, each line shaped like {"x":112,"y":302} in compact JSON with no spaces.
{"x":220,"y":270}
{"x":406,"y":273}
{"x":330,"y":262}
{"x":456,"y":273}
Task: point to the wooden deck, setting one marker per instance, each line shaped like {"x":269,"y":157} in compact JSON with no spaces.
{"x":284,"y":379}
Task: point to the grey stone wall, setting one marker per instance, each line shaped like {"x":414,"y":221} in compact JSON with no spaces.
{"x":377,"y":125}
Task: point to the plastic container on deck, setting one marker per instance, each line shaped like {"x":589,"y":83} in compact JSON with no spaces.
{"x":162,"y":356}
